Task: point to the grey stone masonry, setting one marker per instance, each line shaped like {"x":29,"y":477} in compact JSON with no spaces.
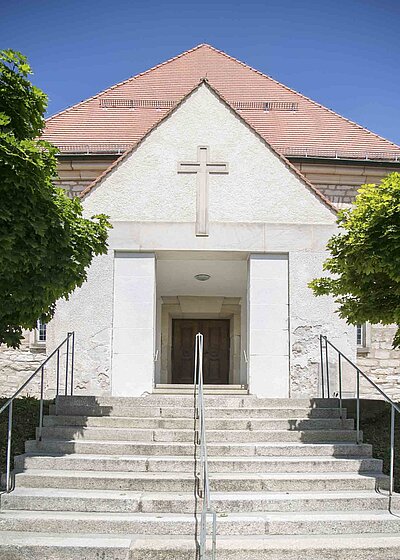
{"x":72,"y":188}
{"x":381,"y":362}
{"x":16,"y":365}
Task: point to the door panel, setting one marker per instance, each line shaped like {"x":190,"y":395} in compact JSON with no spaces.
{"x":216,"y":350}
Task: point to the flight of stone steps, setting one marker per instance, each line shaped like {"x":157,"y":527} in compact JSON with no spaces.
{"x":114,"y":479}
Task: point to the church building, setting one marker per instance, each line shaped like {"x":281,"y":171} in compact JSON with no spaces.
{"x":222,"y":186}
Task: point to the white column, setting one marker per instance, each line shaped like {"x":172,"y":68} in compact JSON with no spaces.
{"x":268,"y":319}
{"x":134,"y":324}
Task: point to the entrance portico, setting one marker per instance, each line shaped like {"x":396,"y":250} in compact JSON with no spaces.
{"x":238,"y":300}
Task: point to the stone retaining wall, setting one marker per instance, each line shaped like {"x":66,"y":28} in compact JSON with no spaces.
{"x":17,"y":365}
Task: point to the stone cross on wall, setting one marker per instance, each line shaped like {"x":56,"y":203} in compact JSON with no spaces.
{"x":202,"y":168}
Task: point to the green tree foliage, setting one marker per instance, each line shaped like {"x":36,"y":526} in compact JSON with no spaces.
{"x":45,"y":243}
{"x":365,"y":257}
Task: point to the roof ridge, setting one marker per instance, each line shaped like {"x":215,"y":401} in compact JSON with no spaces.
{"x":123,"y":82}
{"x":207,"y":83}
{"x":301,"y":95}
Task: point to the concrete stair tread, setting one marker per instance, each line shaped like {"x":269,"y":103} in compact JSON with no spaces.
{"x":175,"y":463}
{"x":133,"y":494}
{"x":281,"y":542}
{"x":185,"y":448}
{"x":211,"y":444}
{"x":205,"y":386}
{"x":188,"y":459}
{"x":249,"y":542}
{"x":182,"y":423}
{"x":223,"y":517}
{"x":189,"y":476}
{"x":212,"y":412}
{"x":68,"y":417}
{"x":52,"y":546}
{"x":184,"y":430}
{"x":67,"y":541}
{"x":152,"y":397}
{"x":184,"y":523}
{"x":81,"y":493}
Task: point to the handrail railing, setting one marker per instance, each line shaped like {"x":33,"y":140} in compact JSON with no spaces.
{"x":69,"y":343}
{"x":203,"y":488}
{"x":325,"y":344}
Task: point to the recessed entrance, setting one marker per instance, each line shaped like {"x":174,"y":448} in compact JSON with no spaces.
{"x":216,"y":334}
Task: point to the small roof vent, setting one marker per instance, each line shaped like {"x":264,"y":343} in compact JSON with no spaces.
{"x":122,"y":103}
{"x":125,"y":103}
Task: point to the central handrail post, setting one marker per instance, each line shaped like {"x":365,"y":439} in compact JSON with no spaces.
{"x":201,"y":441}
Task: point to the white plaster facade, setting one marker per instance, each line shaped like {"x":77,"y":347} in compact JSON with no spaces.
{"x":267,"y":235}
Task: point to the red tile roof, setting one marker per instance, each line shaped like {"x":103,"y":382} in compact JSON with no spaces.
{"x":293,"y":124}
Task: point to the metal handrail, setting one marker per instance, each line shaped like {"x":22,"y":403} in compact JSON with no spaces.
{"x":69,"y":342}
{"x":325,"y":344}
{"x":201,"y":444}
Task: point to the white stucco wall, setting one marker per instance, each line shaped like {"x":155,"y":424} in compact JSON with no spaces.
{"x":89,"y":313}
{"x":311,"y":316}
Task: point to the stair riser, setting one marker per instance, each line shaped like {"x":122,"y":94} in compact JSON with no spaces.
{"x":176,"y":485}
{"x":43,"y":552}
{"x":187,"y":465}
{"x":225,"y":526}
{"x":186,"y":449}
{"x":182,"y":423}
{"x":187,"y":505}
{"x":244,"y":436}
{"x":207,"y":392}
{"x":219,"y":401}
{"x":266,"y":505}
{"x":188,"y":412}
{"x":55,"y":552}
{"x":267,"y":554}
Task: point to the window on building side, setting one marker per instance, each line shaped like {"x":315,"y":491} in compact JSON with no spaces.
{"x":41,"y":332}
{"x":362,"y":335}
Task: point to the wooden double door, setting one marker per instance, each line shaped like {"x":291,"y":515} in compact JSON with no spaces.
{"x":216,"y":350}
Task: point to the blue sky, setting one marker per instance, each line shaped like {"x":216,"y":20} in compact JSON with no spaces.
{"x":343,"y":54}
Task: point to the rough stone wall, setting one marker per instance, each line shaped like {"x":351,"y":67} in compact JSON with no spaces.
{"x":76,"y":174}
{"x":73,"y":188}
{"x":340,"y":182}
{"x":381,"y":362}
{"x":340,"y":195}
{"x":17,"y":365}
